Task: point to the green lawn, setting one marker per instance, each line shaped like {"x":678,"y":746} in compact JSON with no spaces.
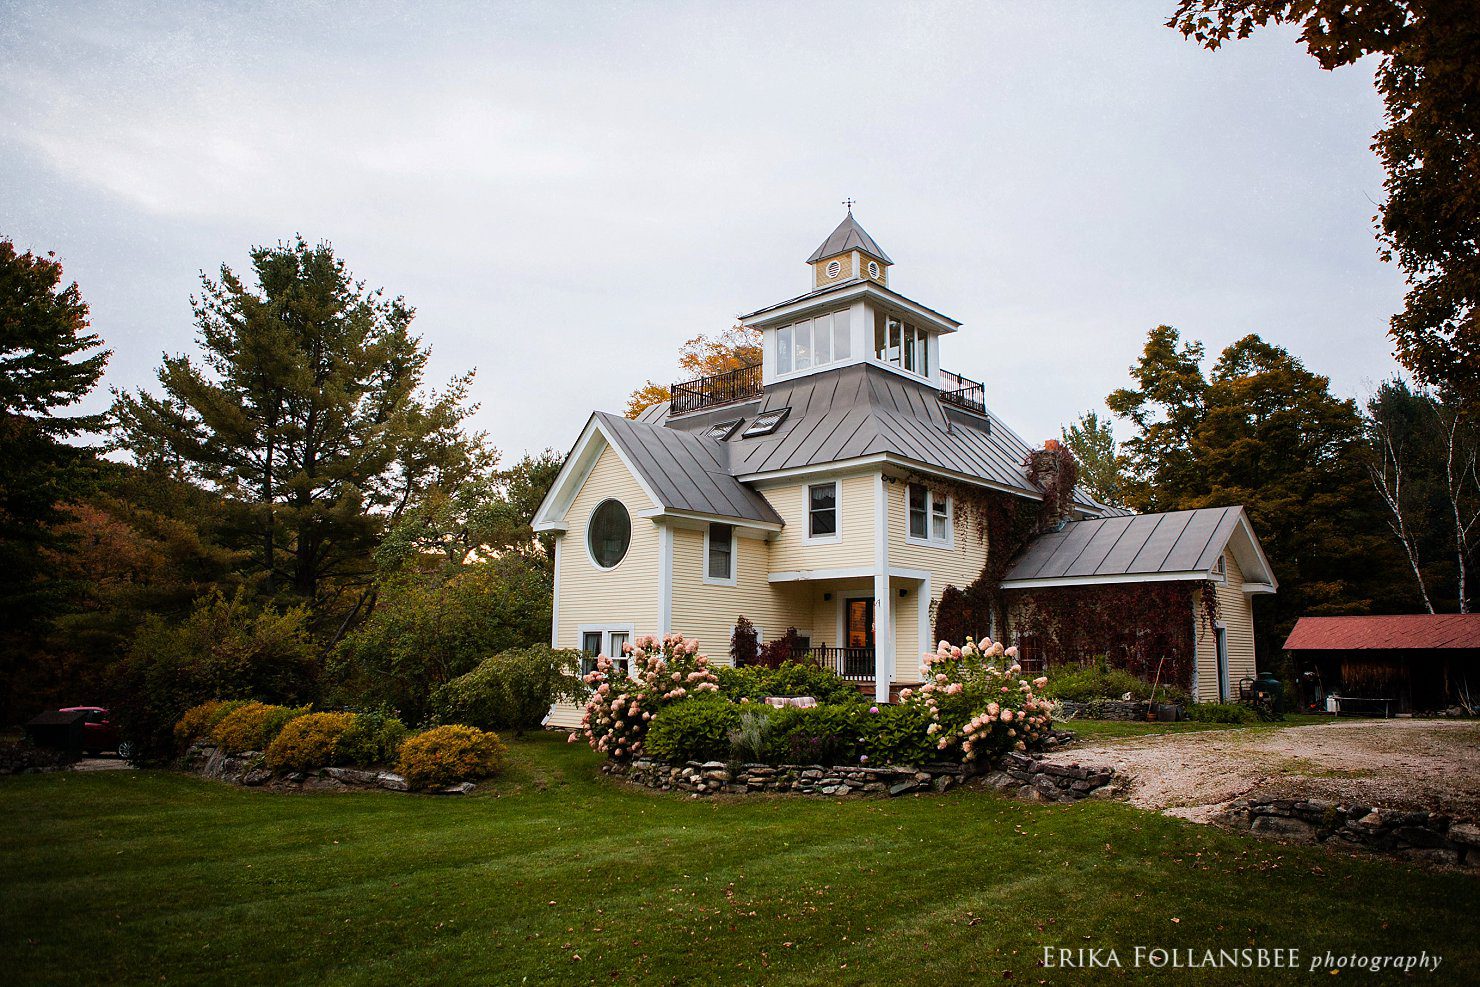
{"x":556,"y":875}
{"x":1091,"y":730}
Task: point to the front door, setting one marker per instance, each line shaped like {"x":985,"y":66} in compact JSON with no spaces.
{"x":858,"y":656}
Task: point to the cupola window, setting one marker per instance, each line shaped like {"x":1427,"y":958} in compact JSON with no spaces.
{"x":901,"y":344}
{"x":813,"y":343}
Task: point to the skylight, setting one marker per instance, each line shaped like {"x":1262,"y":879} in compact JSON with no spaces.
{"x":720,"y":431}
{"x":766,"y":424}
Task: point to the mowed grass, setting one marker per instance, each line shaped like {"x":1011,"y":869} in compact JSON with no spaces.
{"x":555,"y":874}
{"x":1092,"y":730}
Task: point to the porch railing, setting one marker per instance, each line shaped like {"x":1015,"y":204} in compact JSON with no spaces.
{"x":708,"y":392}
{"x":854,"y":664}
{"x":963,"y":392}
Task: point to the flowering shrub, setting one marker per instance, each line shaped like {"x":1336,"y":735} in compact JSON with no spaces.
{"x":447,"y":754}
{"x":252,"y":726}
{"x":198,"y":721}
{"x":976,"y":703}
{"x":308,"y":742}
{"x":621,"y":706}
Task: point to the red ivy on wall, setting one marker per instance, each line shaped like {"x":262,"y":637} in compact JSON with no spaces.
{"x":1133,"y":625}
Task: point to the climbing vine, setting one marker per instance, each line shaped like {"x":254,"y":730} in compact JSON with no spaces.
{"x":1133,"y":626}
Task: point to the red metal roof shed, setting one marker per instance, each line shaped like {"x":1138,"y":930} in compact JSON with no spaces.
{"x":1419,"y":631}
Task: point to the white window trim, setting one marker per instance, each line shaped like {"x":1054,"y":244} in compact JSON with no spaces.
{"x":837,"y":535}
{"x":1218,"y":575}
{"x":734,"y":558}
{"x":833,"y":359}
{"x":586,"y":536}
{"x":606,"y":631}
{"x":929,"y":541}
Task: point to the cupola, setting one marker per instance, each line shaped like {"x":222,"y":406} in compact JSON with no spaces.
{"x":849,"y":254}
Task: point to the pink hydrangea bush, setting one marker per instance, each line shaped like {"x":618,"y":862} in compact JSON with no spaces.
{"x":622,"y":705}
{"x":978,"y":703}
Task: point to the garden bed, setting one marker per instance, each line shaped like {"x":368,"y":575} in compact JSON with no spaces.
{"x":250,"y":769}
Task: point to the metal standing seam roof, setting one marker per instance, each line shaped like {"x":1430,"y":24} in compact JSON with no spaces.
{"x":1137,"y":544}
{"x":849,"y":236}
{"x":861,"y":411}
{"x":686,"y":471}
{"x":1417,"y":631}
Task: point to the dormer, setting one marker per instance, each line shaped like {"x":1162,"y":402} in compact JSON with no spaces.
{"x":850,"y":316}
{"x":848,"y":254}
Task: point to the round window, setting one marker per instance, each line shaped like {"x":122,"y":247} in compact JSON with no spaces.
{"x":834,"y":269}
{"x":873,"y":269}
{"x":609,"y":533}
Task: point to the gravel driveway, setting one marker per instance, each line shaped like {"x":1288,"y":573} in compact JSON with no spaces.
{"x":1404,"y":764}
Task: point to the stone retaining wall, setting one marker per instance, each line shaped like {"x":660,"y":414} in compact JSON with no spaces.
{"x":23,"y":757}
{"x":1028,"y":777}
{"x":1022,"y":775}
{"x":251,"y":770}
{"x":1428,"y":836}
{"x":1105,"y":709}
{"x":718,"y":778}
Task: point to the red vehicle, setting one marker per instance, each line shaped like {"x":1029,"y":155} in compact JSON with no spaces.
{"x":99,"y":732}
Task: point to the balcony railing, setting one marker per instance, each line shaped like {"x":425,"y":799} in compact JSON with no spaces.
{"x":741,"y":384}
{"x":854,"y":664}
{"x":963,"y":392}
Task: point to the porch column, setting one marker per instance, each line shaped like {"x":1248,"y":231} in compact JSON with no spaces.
{"x":883,"y":598}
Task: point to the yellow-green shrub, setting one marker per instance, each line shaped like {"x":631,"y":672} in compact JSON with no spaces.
{"x":252,"y":726}
{"x":307,"y":742}
{"x":448,"y":754}
{"x":199,"y":721}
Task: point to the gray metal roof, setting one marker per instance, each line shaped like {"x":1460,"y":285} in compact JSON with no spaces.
{"x":863,"y":410}
{"x":849,"y":236}
{"x":1137,"y":544}
{"x":686,"y":470}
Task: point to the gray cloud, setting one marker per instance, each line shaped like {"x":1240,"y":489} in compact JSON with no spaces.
{"x":567,"y":192}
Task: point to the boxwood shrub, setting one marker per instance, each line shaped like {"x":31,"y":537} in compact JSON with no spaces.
{"x":372,"y":740}
{"x":308,"y":742}
{"x":252,"y":726}
{"x":198,"y":721}
{"x":789,"y":679}
{"x":696,"y":729}
{"x":1221,"y":713}
{"x":448,"y":754}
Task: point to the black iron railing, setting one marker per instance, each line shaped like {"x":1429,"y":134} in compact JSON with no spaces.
{"x":854,"y":664}
{"x":963,"y":392}
{"x":717,"y":389}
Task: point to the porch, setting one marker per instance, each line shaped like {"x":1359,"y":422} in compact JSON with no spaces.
{"x":865,"y":628}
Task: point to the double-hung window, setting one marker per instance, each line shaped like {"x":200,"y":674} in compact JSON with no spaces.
{"x":929,"y":515}
{"x":719,"y":554}
{"x":822,"y":512}
{"x":609,"y":641}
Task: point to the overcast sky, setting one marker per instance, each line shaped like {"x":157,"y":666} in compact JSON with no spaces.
{"x":566,"y":192}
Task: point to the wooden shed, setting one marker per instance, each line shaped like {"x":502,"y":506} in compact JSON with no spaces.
{"x":1420,"y":662}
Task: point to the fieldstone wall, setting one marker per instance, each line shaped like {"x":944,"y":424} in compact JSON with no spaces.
{"x":1028,"y":777}
{"x":1105,"y":709}
{"x":1021,"y":775}
{"x":25,"y":757}
{"x":250,"y":769}
{"x":1428,"y":836}
{"x":719,"y":778}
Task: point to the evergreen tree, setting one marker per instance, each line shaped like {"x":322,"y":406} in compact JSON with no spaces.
{"x":1097,"y":454}
{"x":1265,"y":432}
{"x":305,"y":407}
{"x":49,"y":360}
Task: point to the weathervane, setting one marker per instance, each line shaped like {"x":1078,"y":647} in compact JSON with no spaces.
{"x":849,"y":203}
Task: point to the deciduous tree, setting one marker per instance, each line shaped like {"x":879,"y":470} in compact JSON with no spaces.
{"x":1430,"y":84}
{"x":703,"y":356}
